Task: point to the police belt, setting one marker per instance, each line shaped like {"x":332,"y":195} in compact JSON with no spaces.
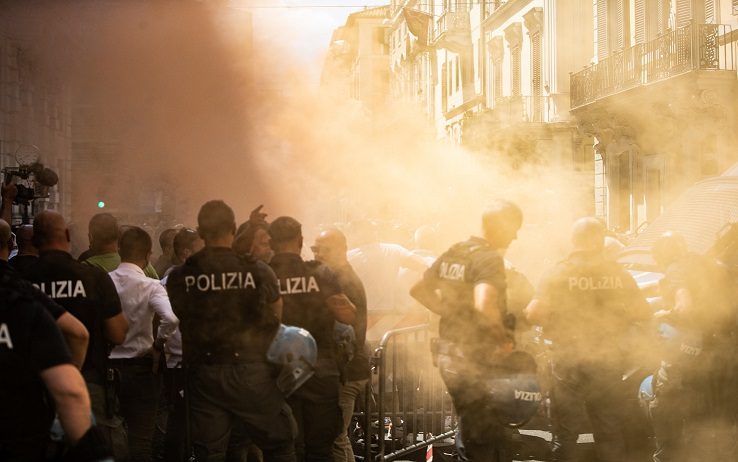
{"x":234,"y":357}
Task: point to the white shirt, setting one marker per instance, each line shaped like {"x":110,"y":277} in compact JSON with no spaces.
{"x":173,"y":347}
{"x":378,"y":266}
{"x":141,"y":297}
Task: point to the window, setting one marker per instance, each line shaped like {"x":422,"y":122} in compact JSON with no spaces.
{"x":515,"y":70}
{"x":458,"y":73}
{"x":536,"y":78}
{"x":735,"y":6}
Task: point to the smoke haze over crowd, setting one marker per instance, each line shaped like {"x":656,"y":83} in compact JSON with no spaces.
{"x":180,"y":90}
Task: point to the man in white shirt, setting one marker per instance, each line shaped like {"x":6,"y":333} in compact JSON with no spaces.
{"x":141,"y":298}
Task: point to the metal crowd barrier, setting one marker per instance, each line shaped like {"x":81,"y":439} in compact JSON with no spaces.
{"x":413,"y":408}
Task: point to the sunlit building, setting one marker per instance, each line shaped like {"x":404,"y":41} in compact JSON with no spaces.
{"x":660,"y":100}
{"x":357,"y":64}
{"x":412,"y":58}
{"x":494,"y":75}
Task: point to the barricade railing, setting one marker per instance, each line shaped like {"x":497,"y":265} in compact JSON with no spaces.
{"x":414,"y":409}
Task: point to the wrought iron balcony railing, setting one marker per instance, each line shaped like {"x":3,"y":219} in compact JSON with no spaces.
{"x":692,"y":47}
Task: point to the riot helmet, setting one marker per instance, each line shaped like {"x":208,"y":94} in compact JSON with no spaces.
{"x":294,"y":350}
{"x":513,"y":391}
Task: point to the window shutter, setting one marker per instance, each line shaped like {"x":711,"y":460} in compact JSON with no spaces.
{"x":602,"y":48}
{"x":536,"y":64}
{"x":616,"y":17}
{"x":662,"y":16}
{"x":710,"y":12}
{"x":639,"y":8}
{"x":515,"y":71}
{"x":536,"y":83}
{"x":683,"y":12}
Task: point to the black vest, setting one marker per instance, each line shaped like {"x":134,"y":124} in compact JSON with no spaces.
{"x":219,"y":299}
{"x":303,"y":286}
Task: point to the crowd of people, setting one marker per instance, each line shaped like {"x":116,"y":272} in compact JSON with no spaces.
{"x":168,"y":360}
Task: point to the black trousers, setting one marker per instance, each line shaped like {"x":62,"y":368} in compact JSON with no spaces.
{"x":222,"y":394}
{"x":598,"y":389}
{"x":138,"y":396}
{"x":482,"y":437}
{"x":318,"y":414}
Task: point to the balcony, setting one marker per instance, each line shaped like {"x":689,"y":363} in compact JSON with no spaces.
{"x":692,"y":47}
{"x":452,"y":30}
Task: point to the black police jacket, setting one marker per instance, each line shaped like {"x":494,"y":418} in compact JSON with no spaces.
{"x":87,"y":293}
{"x":222,"y":301}
{"x":456,"y":272}
{"x":305,"y":287}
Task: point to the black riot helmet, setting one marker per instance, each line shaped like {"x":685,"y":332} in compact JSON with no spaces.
{"x":513,"y":392}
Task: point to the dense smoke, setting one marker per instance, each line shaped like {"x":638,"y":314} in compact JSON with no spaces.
{"x":187,"y":101}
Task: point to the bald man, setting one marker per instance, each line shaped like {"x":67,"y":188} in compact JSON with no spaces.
{"x":330,"y":249}
{"x":72,"y":329}
{"x":90,"y":295}
{"x":586,"y":305}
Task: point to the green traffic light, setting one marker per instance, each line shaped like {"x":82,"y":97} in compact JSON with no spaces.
{"x":100,"y":204}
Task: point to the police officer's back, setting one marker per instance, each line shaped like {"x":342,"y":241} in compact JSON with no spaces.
{"x":586,"y":305}
{"x":88,"y":294}
{"x":693,"y":412}
{"x":313,"y":299}
{"x":36,"y":365}
{"x":466,"y":286}
{"x":228,"y":310}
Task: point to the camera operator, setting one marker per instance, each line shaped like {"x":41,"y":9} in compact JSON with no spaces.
{"x":8,"y":193}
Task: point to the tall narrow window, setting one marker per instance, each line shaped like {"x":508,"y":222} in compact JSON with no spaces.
{"x":602,"y":48}
{"x":683,"y":12}
{"x":710,"y":12}
{"x":617,"y":23}
{"x":735,"y":6}
{"x":639,"y":16}
{"x":536,"y":80}
{"x":458,"y":73}
{"x":444,"y":87}
{"x":515,"y":70}
{"x":497,"y":86}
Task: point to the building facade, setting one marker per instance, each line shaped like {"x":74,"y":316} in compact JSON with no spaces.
{"x":357,"y":64}
{"x":494,"y":75}
{"x":35,"y":117}
{"x":659,"y":99}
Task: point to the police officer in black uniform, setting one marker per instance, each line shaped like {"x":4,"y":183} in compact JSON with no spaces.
{"x":89,"y":294}
{"x":34,"y":361}
{"x":313,"y":300}
{"x":466,"y":286}
{"x":229,"y":309}
{"x":586,"y":305}
{"x":74,"y":332}
{"x":693,"y":412}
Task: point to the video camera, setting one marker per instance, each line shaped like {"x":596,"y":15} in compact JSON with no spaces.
{"x":33,"y":179}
